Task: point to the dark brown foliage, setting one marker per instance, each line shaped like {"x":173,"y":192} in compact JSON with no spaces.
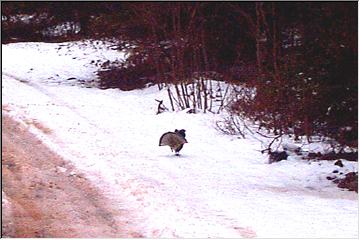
{"x":300,"y":57}
{"x":350,"y":156}
{"x":306,"y":81}
{"x":277,"y":156}
{"x":350,"y":182}
{"x":126,"y":79}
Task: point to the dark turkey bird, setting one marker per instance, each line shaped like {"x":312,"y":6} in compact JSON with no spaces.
{"x":175,"y":140}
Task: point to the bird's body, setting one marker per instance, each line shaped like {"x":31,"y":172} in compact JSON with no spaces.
{"x":175,"y":140}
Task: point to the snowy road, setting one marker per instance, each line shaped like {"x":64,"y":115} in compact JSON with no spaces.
{"x":44,"y":196}
{"x":220,"y":186}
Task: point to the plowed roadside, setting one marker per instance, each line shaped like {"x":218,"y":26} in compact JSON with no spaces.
{"x":43,"y":197}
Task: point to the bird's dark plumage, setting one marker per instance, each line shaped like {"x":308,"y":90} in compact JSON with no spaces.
{"x":175,"y":140}
{"x":181,"y":133}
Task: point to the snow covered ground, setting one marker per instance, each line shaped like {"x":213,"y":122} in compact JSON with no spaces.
{"x":220,"y":186}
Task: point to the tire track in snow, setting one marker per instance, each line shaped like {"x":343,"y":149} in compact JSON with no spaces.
{"x":55,"y":98}
{"x":62,"y":103}
{"x":43,"y":198}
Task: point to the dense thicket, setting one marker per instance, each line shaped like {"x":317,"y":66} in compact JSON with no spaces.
{"x":301,"y":58}
{"x":307,"y":70}
{"x":58,"y":20}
